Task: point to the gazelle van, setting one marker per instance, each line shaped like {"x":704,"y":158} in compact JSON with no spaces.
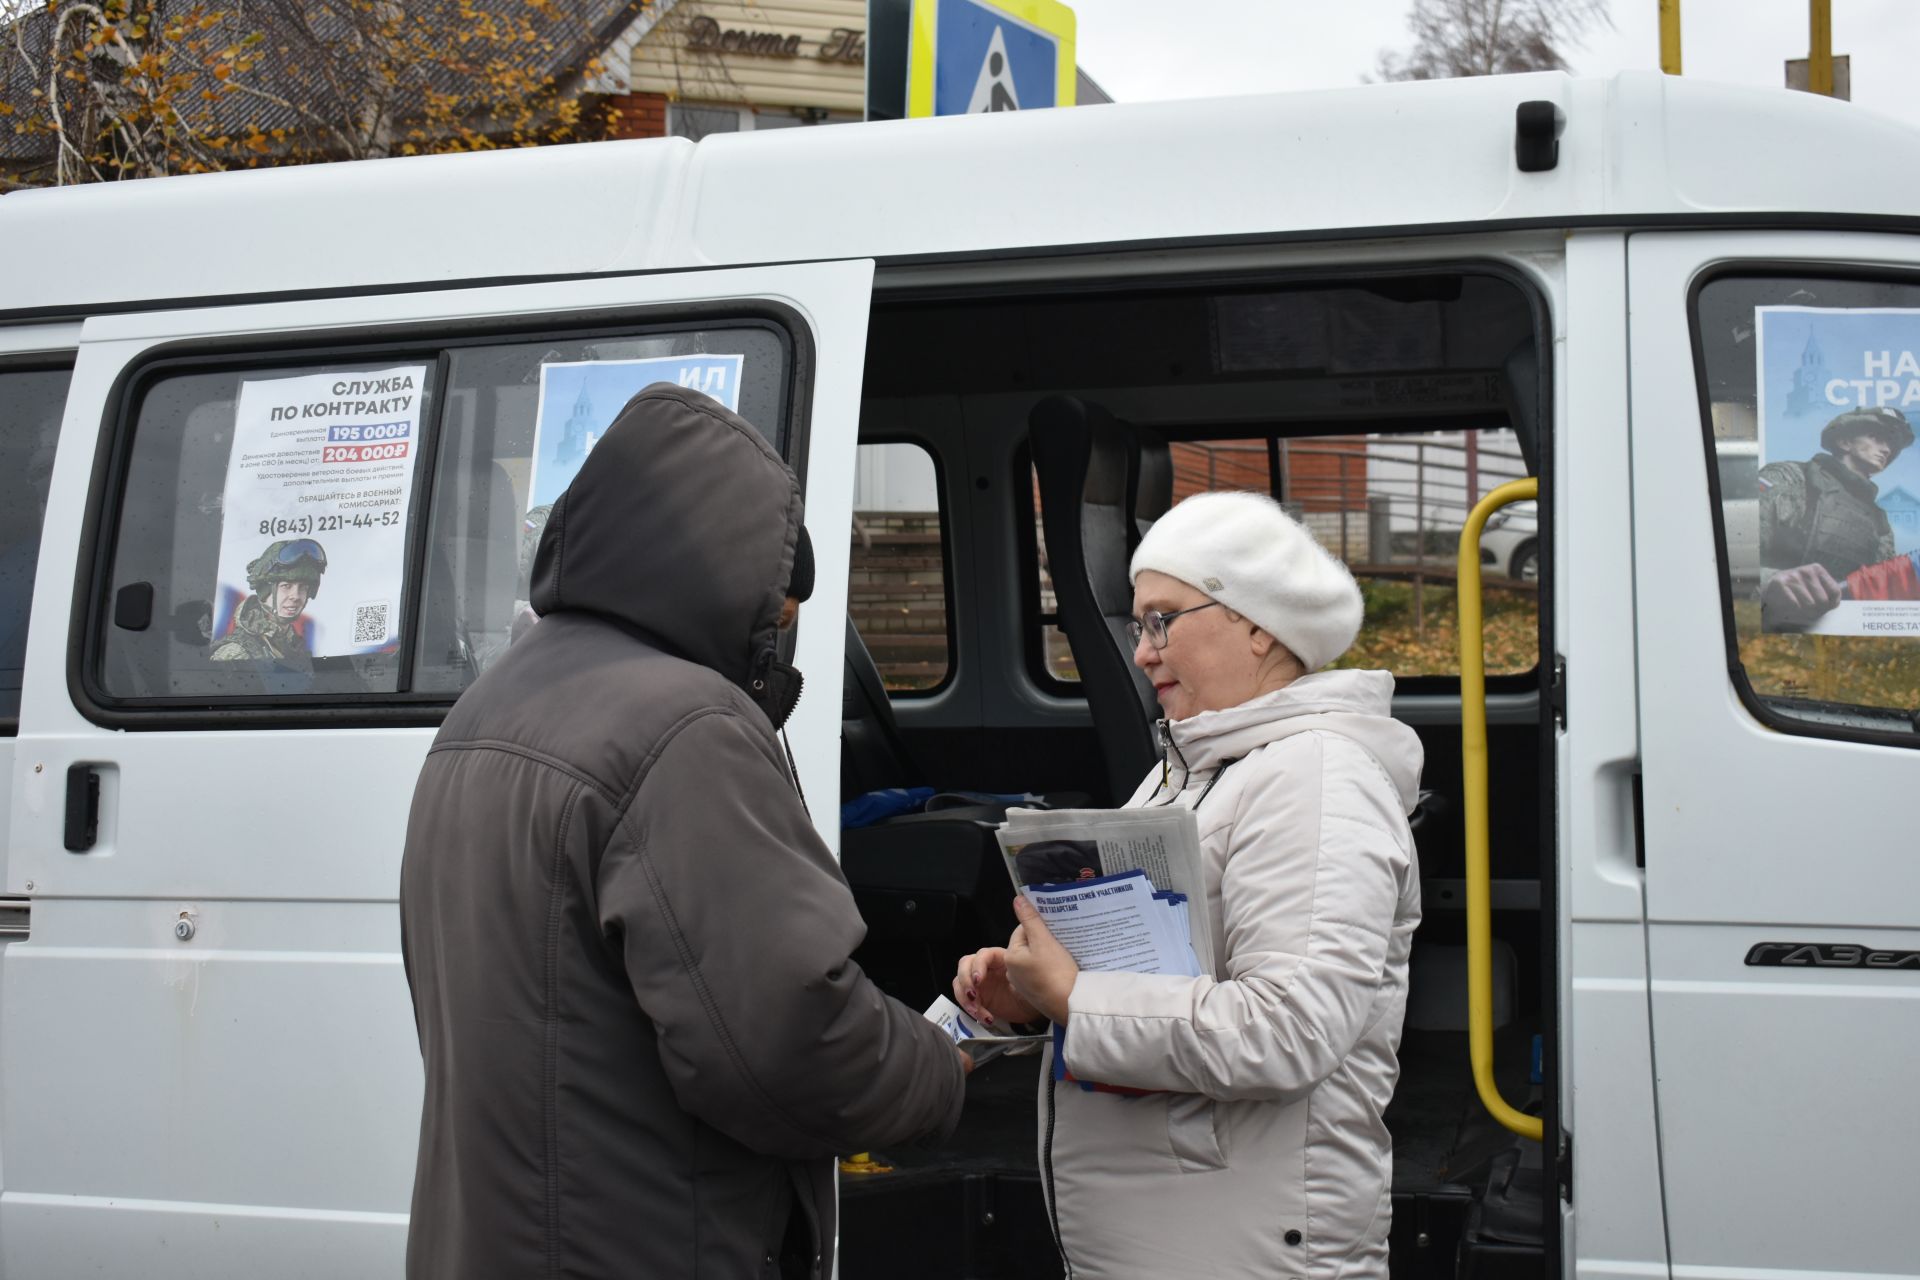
{"x":1666,"y":999}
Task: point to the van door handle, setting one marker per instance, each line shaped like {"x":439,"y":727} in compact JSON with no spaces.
{"x":83,"y":808}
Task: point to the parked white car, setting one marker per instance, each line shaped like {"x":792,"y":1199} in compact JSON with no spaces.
{"x":1739,"y":465}
{"x":1510,"y":545}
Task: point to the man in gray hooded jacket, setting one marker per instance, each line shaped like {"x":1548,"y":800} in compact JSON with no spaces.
{"x":644,"y":1040}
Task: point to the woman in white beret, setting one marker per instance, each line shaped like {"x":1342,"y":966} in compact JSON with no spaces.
{"x":1235,"y":1127}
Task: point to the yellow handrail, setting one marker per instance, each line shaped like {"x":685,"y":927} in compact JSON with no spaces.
{"x":1473,"y":747}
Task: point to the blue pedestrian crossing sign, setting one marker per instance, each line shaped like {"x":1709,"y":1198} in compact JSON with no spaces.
{"x":968,"y":56}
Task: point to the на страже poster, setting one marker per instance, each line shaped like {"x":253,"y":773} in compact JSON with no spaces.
{"x":579,"y":401}
{"x":1838,"y":392}
{"x":314,"y":535}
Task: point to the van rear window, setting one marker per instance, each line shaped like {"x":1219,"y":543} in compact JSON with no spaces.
{"x":1391,"y":505}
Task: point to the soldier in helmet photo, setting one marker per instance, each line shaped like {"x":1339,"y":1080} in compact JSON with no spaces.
{"x":283,"y":578}
{"x":1819,"y":519}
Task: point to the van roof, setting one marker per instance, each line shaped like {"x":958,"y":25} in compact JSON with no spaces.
{"x":1377,"y":159}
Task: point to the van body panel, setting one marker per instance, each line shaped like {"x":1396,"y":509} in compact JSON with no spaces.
{"x":422,"y":220}
{"x":245,"y":1101}
{"x":70,"y":1235}
{"x":1785,"y":1094}
{"x":29,"y":346}
{"x":1606,"y":1041}
{"x":1072,"y":177}
{"x":21,"y":346}
{"x":1431,"y":154}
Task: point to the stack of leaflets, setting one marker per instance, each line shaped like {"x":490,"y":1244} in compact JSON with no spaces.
{"x":1120,"y":888}
{"x":1119,"y":924}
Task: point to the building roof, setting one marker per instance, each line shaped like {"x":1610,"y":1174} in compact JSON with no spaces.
{"x":314,"y":66}
{"x":1378,"y":159}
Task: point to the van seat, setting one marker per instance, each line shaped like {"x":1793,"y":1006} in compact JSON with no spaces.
{"x":932,"y":886}
{"x":1089,"y":467}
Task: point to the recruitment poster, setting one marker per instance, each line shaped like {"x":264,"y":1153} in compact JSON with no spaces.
{"x":579,"y":401}
{"x":1839,"y":479}
{"x":313,"y":542}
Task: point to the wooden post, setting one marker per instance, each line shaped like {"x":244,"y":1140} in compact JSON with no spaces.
{"x":1820,"y":48}
{"x":1345,"y":555}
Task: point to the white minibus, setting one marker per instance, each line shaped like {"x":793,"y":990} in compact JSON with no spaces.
{"x":1665,"y":1001}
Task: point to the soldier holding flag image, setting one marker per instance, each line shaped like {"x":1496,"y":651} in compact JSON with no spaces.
{"x":1819,"y":519}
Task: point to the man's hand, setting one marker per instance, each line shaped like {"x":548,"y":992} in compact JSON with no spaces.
{"x":1039,"y":969}
{"x":980,"y":987}
{"x":1800,"y":595}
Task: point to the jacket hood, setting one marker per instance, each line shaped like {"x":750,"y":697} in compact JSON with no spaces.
{"x":1358,"y":705}
{"x":681,"y":523}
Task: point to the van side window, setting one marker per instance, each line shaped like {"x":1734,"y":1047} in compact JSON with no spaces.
{"x":31,"y":401}
{"x":1811,"y":389}
{"x":898,"y":593}
{"x":519,"y":420}
{"x":260,"y":547}
{"x":1391,"y":505}
{"x":287,"y":533}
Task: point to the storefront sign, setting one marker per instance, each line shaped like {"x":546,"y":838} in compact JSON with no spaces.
{"x":842,"y":44}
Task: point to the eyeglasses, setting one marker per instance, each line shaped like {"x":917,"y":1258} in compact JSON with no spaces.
{"x":1153,"y":624}
{"x":301,"y":549}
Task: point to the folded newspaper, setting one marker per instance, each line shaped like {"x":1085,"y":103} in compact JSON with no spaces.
{"x":1120,"y":888}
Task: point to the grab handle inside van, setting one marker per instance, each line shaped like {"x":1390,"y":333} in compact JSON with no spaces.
{"x":1473,"y":746}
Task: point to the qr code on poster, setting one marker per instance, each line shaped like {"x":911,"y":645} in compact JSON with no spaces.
{"x":370,"y":623}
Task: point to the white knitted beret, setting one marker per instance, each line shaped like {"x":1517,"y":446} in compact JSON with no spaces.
{"x":1244,"y":551}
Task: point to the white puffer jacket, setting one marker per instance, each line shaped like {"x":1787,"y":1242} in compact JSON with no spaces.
{"x":1266,"y":1154}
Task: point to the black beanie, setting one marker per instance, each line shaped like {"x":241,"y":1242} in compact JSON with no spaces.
{"x":800,"y":586}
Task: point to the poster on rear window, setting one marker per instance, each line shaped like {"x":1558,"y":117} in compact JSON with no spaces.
{"x":1839,"y":488}
{"x":579,"y":401}
{"x":313,"y":539}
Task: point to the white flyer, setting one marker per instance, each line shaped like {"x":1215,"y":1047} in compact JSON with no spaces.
{"x":980,"y":1041}
{"x":580,"y":399}
{"x":1118,"y":924}
{"x":313,"y":537}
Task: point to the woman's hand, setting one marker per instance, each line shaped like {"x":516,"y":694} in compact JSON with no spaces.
{"x":980,"y":987}
{"x":1038,"y":968}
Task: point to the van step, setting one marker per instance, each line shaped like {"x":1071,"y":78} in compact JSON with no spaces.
{"x":935,"y":1226}
{"x":993,"y":1226}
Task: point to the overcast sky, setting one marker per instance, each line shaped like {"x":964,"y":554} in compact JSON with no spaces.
{"x":1144,"y":49}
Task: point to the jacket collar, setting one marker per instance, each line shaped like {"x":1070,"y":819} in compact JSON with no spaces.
{"x":1356,"y":704}
{"x":1859,"y":486}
